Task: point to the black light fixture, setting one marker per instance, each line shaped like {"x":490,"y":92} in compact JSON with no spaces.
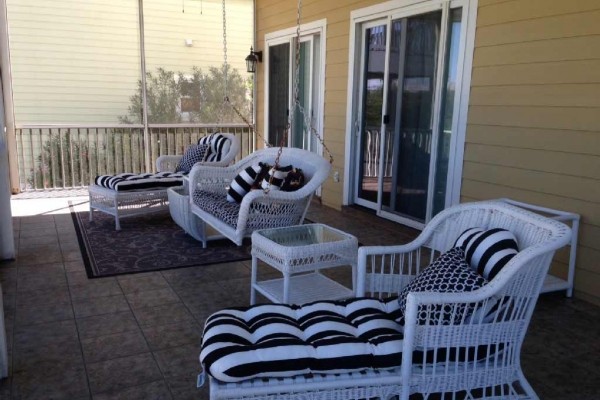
{"x":253,"y":58}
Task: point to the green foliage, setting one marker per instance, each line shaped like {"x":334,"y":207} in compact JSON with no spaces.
{"x":206,"y":90}
{"x":61,"y":163}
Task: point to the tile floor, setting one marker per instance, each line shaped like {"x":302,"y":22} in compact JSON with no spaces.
{"x":137,"y":336}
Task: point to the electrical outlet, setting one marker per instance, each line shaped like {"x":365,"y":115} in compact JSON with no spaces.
{"x":336,"y":176}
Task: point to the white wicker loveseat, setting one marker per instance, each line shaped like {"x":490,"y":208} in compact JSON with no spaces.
{"x":259,"y":209}
{"x":476,"y":355}
{"x":121,"y":204}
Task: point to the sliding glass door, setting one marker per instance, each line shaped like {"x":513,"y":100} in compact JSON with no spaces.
{"x":407,"y":76}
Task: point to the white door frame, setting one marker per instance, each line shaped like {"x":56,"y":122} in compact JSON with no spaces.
{"x":393,"y":10}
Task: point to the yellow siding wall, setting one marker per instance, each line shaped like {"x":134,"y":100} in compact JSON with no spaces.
{"x":275,"y":15}
{"x":76,"y":61}
{"x":533,"y":129}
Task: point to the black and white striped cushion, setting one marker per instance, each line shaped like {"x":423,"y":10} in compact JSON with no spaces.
{"x":487,"y":251}
{"x":276,"y":177}
{"x":278,"y":340}
{"x":130,"y":182}
{"x":243,"y":182}
{"x":193,"y":154}
{"x":218,"y":146}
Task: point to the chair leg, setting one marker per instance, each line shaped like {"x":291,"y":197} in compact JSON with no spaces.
{"x":3,"y":348}
{"x":526,"y":386}
{"x":117,"y":222}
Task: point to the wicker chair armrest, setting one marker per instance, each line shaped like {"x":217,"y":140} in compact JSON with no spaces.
{"x":273,"y":197}
{"x":368,"y":253}
{"x":167,"y":163}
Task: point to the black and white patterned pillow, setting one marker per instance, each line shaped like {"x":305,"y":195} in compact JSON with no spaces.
{"x":449,"y":273}
{"x":276,"y":177}
{"x":193,"y":154}
{"x":218,"y":146}
{"x":487,"y":251}
{"x":244,"y":181}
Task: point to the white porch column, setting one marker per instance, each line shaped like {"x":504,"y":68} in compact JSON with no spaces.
{"x":7,"y":242}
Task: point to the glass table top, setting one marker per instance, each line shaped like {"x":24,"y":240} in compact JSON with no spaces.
{"x":303,"y":235}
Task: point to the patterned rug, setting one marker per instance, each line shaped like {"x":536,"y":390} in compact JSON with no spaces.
{"x":145,"y":243}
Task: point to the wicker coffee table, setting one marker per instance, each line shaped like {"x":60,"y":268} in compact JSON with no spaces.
{"x":299,"y":252}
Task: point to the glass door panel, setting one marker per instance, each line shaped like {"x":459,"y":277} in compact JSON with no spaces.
{"x":372,"y":85}
{"x":279,"y":87}
{"x":408,"y":78}
{"x":414,"y":115}
{"x":446,"y":120}
{"x":391,"y":139}
{"x":302,"y":121}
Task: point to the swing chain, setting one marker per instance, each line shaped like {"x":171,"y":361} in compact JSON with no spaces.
{"x":225,"y":66}
{"x":296,"y":102}
{"x":308,"y":122}
{"x":296,"y":99}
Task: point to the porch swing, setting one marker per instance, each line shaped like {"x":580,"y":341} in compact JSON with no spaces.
{"x":284,"y":178}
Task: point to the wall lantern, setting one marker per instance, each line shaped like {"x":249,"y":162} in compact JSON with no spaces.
{"x":253,"y":58}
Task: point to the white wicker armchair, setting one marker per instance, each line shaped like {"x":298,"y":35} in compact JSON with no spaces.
{"x":479,"y":356}
{"x":169,"y":162}
{"x":258,"y":209}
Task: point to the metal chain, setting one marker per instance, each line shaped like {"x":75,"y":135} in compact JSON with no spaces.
{"x":308,"y":122}
{"x":296,"y":98}
{"x":226,"y":99}
{"x":225,"y":67}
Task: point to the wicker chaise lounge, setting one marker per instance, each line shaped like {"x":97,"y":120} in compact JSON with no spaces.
{"x":128,"y":203}
{"x":465,"y":344}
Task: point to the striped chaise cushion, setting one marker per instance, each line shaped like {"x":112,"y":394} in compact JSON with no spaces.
{"x":130,"y":182}
{"x":487,"y":251}
{"x":278,"y":340}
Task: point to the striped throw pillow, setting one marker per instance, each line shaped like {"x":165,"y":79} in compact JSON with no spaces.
{"x":244,"y":181}
{"x":279,"y":340}
{"x":218,"y":146}
{"x":487,"y":251}
{"x":276,"y":177}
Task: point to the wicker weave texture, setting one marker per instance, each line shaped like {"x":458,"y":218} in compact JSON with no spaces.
{"x":126,"y":204}
{"x":179,"y":207}
{"x":259,"y":209}
{"x":478,"y":357}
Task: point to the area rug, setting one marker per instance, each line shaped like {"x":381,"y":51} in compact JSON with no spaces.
{"x":145,"y":243}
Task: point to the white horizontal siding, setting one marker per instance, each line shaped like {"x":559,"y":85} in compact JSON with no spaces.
{"x":79,"y":61}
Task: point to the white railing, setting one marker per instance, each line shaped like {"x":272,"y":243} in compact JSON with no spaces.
{"x":70,"y":156}
{"x":418,"y":140}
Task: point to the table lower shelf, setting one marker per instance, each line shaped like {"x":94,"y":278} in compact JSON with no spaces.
{"x":553,"y":283}
{"x":304,"y":289}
